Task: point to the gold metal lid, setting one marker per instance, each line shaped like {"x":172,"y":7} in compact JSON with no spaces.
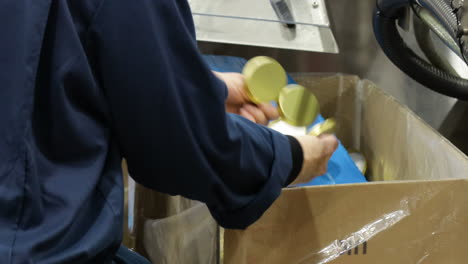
{"x":265,"y":78}
{"x":326,"y":127}
{"x":297,"y":105}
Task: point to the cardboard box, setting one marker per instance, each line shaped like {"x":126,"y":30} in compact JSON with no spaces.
{"x":414,"y":211}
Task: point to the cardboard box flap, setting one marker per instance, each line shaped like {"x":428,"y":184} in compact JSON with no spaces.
{"x":356,"y":223}
{"x":382,"y":222}
{"x":396,"y":142}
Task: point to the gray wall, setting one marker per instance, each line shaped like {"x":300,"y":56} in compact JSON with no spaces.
{"x":360,"y":54}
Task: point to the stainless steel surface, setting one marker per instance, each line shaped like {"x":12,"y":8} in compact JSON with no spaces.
{"x":255,"y":23}
{"x":351,"y":21}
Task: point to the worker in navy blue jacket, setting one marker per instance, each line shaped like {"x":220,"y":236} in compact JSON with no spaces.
{"x":84,"y":83}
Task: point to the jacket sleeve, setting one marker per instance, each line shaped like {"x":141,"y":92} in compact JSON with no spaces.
{"x":169,"y":115}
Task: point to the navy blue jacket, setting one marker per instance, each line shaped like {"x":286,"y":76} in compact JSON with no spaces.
{"x":84,"y":83}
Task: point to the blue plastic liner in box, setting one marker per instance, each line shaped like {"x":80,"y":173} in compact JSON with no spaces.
{"x":341,"y":168}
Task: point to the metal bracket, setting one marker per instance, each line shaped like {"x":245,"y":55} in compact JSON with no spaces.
{"x":262,"y":23}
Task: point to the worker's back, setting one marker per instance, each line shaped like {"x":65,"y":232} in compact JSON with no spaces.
{"x":60,"y":183}
{"x":84,"y":82}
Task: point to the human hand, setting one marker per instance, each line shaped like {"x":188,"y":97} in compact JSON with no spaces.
{"x":317,"y":151}
{"x":238,"y":102}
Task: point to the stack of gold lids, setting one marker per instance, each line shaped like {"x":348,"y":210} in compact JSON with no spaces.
{"x":267,"y":81}
{"x":298,"y":107}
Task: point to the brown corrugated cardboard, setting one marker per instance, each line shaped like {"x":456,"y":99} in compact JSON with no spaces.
{"x":419,"y":215}
{"x":400,"y":222}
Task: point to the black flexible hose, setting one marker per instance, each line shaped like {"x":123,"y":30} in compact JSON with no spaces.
{"x":386,"y":32}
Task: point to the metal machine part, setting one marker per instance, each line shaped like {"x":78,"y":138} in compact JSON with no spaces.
{"x":423,"y":34}
{"x":432,"y":24}
{"x":283,"y":12}
{"x":261,"y":23}
{"x":443,"y":19}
